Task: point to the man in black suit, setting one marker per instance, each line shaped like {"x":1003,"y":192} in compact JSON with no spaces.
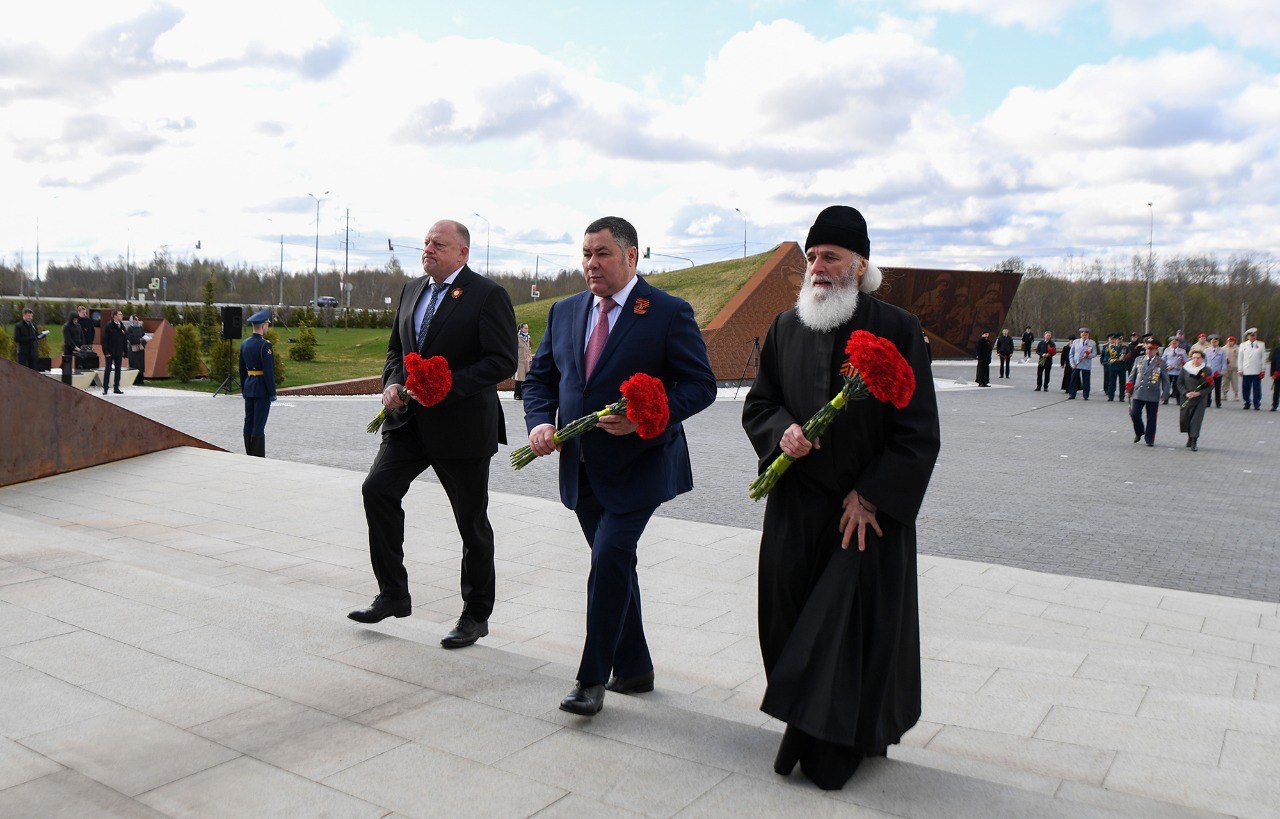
{"x":27,"y":336}
{"x":467,"y":319}
{"x":113,"y":347}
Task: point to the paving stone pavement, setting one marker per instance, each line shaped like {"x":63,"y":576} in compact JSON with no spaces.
{"x":1024,"y":479}
{"x":175,"y":645}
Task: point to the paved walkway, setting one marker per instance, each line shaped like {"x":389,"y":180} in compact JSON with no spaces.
{"x":174,"y":642}
{"x":1025,"y":479}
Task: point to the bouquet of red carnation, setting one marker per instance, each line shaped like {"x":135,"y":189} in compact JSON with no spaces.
{"x":644,"y":401}
{"x":875,"y":368}
{"x":427,"y":381}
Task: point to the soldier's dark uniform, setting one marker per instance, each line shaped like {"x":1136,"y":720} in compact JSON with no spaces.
{"x":1115,"y":368}
{"x":258,"y":386}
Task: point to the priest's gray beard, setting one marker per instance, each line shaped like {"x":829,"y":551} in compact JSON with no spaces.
{"x":825,"y":310}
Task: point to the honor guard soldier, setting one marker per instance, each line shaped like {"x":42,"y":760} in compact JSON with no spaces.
{"x":258,"y":382}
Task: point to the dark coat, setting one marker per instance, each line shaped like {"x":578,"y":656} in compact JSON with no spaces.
{"x":72,"y":336}
{"x":471,"y":329}
{"x":840,"y":629}
{"x":1004,"y":345}
{"x":26,"y":336}
{"x":661,"y":339}
{"x":113,"y":339}
{"x":256,"y":354}
{"x":88,"y":330}
{"x":984,"y":350}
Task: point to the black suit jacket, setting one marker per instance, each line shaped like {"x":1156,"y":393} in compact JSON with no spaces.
{"x":474,"y":330}
{"x":26,"y":336}
{"x":113,"y":339}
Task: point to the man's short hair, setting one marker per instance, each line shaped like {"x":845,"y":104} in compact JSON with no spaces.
{"x":622,"y":231}
{"x":81,"y":307}
{"x":28,"y":310}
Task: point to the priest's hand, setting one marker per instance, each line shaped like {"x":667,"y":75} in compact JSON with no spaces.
{"x":795,"y":445}
{"x":859,"y":513}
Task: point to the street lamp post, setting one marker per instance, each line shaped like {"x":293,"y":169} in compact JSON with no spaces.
{"x":1146,"y":321}
{"x":486,"y":244}
{"x":315,"y":275}
{"x":744,"y":232}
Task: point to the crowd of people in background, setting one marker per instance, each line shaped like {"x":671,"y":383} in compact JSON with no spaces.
{"x":1145,"y":374}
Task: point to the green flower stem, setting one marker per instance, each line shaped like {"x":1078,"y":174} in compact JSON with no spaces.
{"x":524,"y":456}
{"x":814,"y":428}
{"x":381,"y":418}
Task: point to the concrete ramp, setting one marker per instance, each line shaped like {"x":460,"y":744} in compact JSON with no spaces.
{"x":47,"y":428}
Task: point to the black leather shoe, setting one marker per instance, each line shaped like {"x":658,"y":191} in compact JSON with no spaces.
{"x":118,"y":392}
{"x":465,"y":633}
{"x":1137,"y":438}
{"x":584,"y":700}
{"x":382,"y":608}
{"x":638,"y":684}
{"x":1151,"y":443}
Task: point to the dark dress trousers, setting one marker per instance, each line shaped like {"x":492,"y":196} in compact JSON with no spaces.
{"x":1004,"y":349}
{"x":471,"y":329}
{"x":1045,"y":351}
{"x":614,"y":483}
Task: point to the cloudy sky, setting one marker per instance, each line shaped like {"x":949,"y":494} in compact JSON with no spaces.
{"x":967,"y":131}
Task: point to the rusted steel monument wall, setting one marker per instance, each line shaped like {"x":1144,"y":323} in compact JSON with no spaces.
{"x":47,"y":428}
{"x":954,"y":307}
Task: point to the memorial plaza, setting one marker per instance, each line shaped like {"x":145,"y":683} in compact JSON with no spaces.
{"x":1099,"y":626}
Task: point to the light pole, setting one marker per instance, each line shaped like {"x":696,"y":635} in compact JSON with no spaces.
{"x":744,"y":232}
{"x":315,"y":276}
{"x":486,"y":244}
{"x":1146,"y":321}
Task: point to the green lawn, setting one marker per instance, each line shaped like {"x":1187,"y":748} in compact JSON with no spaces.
{"x":341,"y":354}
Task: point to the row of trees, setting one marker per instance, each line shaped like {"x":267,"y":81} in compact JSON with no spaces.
{"x":184,"y":280}
{"x":1193,"y":293}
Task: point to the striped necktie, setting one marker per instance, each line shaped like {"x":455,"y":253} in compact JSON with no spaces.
{"x":436,"y":291}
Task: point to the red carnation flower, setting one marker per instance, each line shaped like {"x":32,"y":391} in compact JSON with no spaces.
{"x":428,"y":379}
{"x":1129,"y":386}
{"x":886,"y":373}
{"x":1276,"y":374}
{"x":646,"y":404}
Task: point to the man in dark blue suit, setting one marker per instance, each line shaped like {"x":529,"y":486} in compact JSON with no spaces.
{"x":611,"y":478}
{"x":258,"y":383}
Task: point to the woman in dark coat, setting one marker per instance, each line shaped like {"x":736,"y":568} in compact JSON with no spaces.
{"x":1065,"y":361}
{"x":72,"y":335}
{"x":1195,"y":384}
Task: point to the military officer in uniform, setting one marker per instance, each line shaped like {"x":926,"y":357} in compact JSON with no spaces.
{"x":258,"y":381}
{"x":1114,"y":366}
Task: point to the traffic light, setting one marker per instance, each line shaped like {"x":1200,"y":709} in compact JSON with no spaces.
{"x":646,"y":252}
{"x":389,"y":247}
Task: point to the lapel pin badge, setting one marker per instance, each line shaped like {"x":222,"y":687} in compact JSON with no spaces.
{"x":456,"y":292}
{"x":642,"y":307}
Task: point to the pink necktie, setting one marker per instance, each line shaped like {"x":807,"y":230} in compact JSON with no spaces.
{"x":600,"y":335}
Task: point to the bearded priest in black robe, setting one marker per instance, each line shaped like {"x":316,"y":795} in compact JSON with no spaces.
{"x":839,"y":615}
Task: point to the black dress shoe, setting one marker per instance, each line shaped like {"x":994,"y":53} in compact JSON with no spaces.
{"x":584,"y":700}
{"x":118,"y":392}
{"x":1151,"y":443}
{"x":637,"y":684}
{"x":382,"y":608}
{"x":465,"y":633}
{"x":1137,"y":438}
